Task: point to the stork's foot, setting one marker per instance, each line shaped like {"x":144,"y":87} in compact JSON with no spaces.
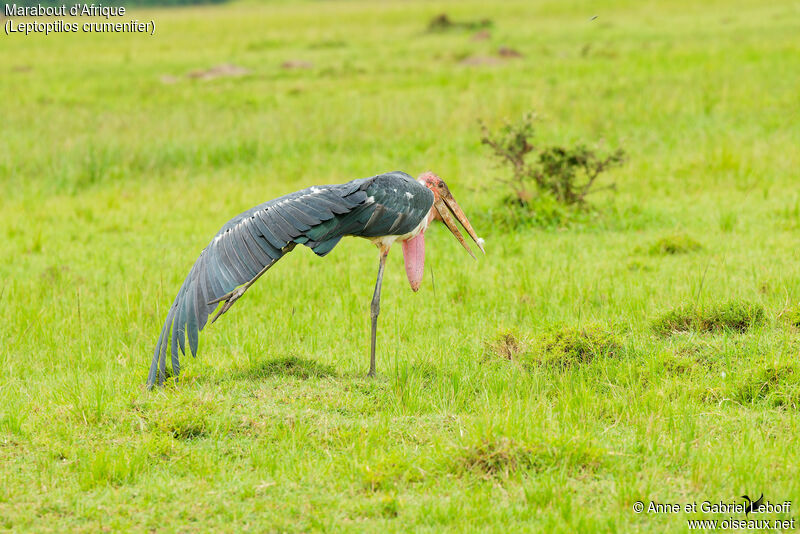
{"x":229,"y":299}
{"x":371,"y":373}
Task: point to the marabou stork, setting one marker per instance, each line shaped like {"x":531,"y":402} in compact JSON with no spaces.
{"x":384,"y":209}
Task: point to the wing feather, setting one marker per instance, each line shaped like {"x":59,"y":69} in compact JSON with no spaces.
{"x":296,"y":224}
{"x":231,"y":259}
{"x":314,"y":209}
{"x":203,"y":293}
{"x":227,"y":276}
{"x":397,"y":222}
{"x":244,"y":260}
{"x":216,"y":279}
{"x":161,"y":352}
{"x":176,"y":367}
{"x":298,"y":211}
{"x":263,"y":248}
{"x":260,"y":258}
{"x":338,"y":205}
{"x":271,"y":238}
{"x":336,"y":208}
{"x":191,"y":320}
{"x":279,"y":226}
{"x":179,"y":326}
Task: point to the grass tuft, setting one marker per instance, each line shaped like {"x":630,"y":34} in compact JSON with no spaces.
{"x":561,"y":348}
{"x":443,"y":23}
{"x":106,"y":466}
{"x":676,"y":366}
{"x":290,"y":366}
{"x":387,"y":473}
{"x":737,"y":316}
{"x":500,"y":457}
{"x":777,"y":385}
{"x":569,"y":347}
{"x":507,"y":345}
{"x":389,"y":506}
{"x":497,"y":457}
{"x":674,"y":244}
{"x":791,"y":316}
{"x":183,"y":423}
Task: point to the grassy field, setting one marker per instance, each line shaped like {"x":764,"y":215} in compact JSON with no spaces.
{"x":117,"y":168}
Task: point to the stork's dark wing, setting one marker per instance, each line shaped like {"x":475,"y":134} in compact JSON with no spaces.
{"x":250,"y":243}
{"x":397,"y":204}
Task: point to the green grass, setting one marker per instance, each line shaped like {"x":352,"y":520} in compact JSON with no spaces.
{"x":730,"y":316}
{"x":675,"y":244}
{"x":115,"y":177}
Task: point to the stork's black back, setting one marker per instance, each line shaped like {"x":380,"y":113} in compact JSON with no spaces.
{"x":317,"y":217}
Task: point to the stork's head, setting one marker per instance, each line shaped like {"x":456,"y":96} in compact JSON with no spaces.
{"x":443,"y":206}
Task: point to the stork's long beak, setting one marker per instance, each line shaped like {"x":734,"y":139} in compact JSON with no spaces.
{"x":446,"y":205}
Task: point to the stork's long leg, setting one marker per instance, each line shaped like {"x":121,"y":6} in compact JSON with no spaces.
{"x":375,"y":310}
{"x":234,"y":295}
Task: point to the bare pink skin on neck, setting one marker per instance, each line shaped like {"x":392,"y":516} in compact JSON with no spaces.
{"x":414,"y":257}
{"x":414,"y":248}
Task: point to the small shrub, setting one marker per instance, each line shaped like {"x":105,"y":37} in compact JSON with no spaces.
{"x":674,"y":244}
{"x":566,"y":174}
{"x":734,"y":315}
